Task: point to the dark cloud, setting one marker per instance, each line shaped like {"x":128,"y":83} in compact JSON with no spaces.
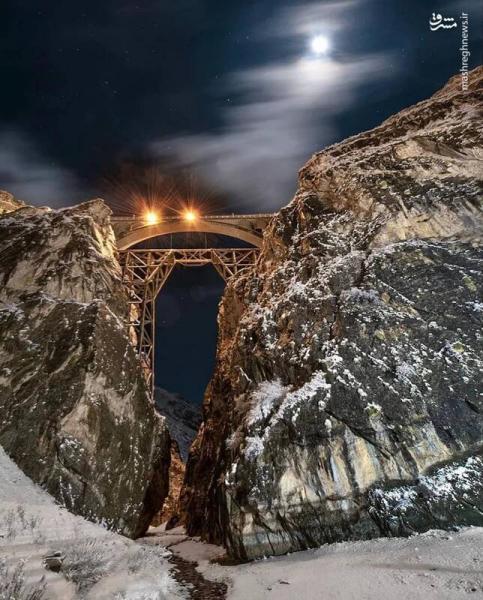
{"x":31,"y":177}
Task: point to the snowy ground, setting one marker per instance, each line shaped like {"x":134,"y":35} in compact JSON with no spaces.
{"x":435,"y":565}
{"x":101,"y":565}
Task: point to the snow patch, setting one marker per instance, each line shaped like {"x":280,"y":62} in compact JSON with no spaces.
{"x":263,"y":399}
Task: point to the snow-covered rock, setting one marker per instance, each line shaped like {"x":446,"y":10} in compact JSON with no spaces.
{"x":183,"y":418}
{"x":75,"y":414}
{"x":349,"y":359}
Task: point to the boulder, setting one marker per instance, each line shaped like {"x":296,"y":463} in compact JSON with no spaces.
{"x":76,"y":415}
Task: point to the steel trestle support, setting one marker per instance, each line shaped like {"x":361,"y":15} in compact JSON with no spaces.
{"x":144,"y":273}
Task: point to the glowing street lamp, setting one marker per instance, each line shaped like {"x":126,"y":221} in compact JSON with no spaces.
{"x":190,"y":215}
{"x":151,"y":217}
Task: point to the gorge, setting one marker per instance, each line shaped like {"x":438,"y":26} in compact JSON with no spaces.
{"x":346,"y":399}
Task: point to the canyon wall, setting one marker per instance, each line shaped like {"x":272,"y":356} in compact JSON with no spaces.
{"x":75,"y":413}
{"x":183,"y":420}
{"x":346,"y":400}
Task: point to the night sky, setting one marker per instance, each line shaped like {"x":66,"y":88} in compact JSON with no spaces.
{"x":216,"y":103}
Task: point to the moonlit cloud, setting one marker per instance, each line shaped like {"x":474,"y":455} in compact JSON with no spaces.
{"x":30,"y":177}
{"x":309,"y":19}
{"x":285,"y":112}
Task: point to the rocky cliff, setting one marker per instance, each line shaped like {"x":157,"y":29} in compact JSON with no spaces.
{"x":183,"y":420}
{"x":75,"y":414}
{"x":346,"y":398}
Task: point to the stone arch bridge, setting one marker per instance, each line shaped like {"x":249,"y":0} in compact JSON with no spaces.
{"x":145,"y":271}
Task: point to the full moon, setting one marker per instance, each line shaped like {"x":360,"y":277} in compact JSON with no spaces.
{"x":319,"y":45}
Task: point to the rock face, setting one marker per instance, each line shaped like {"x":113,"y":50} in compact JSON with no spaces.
{"x":171,"y":512}
{"x":183,"y":420}
{"x":75,"y":413}
{"x":8,"y":203}
{"x":345,"y":402}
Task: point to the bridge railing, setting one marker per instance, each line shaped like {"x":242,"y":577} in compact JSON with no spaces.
{"x":247,"y":217}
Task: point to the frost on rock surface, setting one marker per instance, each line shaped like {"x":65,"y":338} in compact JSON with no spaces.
{"x":349,"y":360}
{"x":74,"y":410}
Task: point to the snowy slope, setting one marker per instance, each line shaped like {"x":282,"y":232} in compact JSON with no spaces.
{"x":436,"y":565}
{"x":32,"y":525}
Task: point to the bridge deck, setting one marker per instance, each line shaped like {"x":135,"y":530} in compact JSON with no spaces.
{"x":249,"y":228}
{"x":232,"y":217}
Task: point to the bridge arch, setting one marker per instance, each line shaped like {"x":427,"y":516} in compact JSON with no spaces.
{"x":139,"y":234}
{"x":145,"y":271}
